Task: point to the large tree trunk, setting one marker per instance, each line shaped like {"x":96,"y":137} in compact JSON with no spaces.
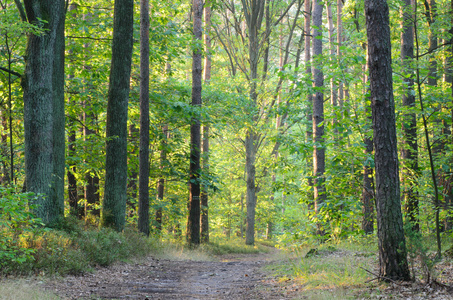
{"x":193,"y":223}
{"x":115,"y":192}
{"x":44,"y":108}
{"x":392,"y":247}
{"x":318,"y":113}
{"x":143,"y":189}
{"x":410,"y":152}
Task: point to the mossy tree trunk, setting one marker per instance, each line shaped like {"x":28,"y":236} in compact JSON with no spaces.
{"x":115,"y":192}
{"x":44,"y":108}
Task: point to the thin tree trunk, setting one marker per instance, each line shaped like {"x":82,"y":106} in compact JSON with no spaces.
{"x":254,"y":12}
{"x":333,"y":87}
{"x":207,"y":78}
{"x":161,"y":181}
{"x":5,"y":178}
{"x":318,"y":113}
{"x":115,"y":192}
{"x":193,"y":223}
{"x":143,"y":200}
{"x":428,"y":144}
{"x":391,"y":240}
{"x":132,"y":180}
{"x":91,"y":190}
{"x":308,"y":72}
{"x":339,"y":43}
{"x":410,"y":152}
{"x":72,"y":181}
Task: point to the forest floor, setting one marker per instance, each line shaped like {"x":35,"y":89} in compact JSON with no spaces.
{"x":234,"y":276}
{"x":238,"y":276}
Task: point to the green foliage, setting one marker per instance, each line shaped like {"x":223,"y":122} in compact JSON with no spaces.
{"x":72,"y":249}
{"x":16,"y":225}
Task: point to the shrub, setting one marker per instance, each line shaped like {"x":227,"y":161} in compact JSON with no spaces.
{"x":16,"y":225}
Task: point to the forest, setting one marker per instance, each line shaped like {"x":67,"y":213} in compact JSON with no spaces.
{"x":290,"y":124}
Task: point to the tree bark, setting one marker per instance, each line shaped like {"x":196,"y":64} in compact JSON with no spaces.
{"x":391,"y":240}
{"x":115,"y":192}
{"x":193,"y":223}
{"x":143,"y":189}
{"x":44,"y":108}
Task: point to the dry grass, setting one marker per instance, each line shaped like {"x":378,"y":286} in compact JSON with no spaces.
{"x":24,"y":290}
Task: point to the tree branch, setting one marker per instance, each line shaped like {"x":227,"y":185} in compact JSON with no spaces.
{"x":10,"y":71}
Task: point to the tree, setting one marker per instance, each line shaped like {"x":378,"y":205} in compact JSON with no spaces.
{"x":143,"y":201}
{"x":391,"y":240}
{"x":410,"y":151}
{"x":115,"y":192}
{"x":207,"y":77}
{"x":193,"y":223}
{"x":319,"y":155}
{"x":44,"y":120}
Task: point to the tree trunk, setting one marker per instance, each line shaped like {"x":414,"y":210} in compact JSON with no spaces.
{"x":193,"y":223}
{"x":115,"y":192}
{"x":91,"y":191}
{"x":391,"y":240}
{"x":308,"y":71}
{"x":410,"y":151}
{"x":161,"y":181}
{"x":254,"y":12}
{"x":250,"y":157}
{"x":318,"y":113}
{"x":143,"y":190}
{"x":44,"y":108}
{"x":4,"y":177}
{"x":207,"y":78}
{"x":73,"y":196}
{"x":339,"y":43}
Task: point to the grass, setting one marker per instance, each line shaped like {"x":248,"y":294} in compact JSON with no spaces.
{"x":332,"y":271}
{"x":24,"y":290}
{"x":219,"y":246}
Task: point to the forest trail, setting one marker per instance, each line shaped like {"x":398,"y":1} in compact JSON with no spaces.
{"x":230,"y":277}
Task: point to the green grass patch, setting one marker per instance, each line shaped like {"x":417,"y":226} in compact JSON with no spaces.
{"x":23,"y":289}
{"x":330,"y":270}
{"x":218,"y":246}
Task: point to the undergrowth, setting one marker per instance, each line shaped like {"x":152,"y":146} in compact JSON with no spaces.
{"x":329,"y":268}
{"x":219,"y":246}
{"x":69,"y":248}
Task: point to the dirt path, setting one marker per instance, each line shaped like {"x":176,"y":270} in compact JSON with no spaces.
{"x":234,"y":277}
